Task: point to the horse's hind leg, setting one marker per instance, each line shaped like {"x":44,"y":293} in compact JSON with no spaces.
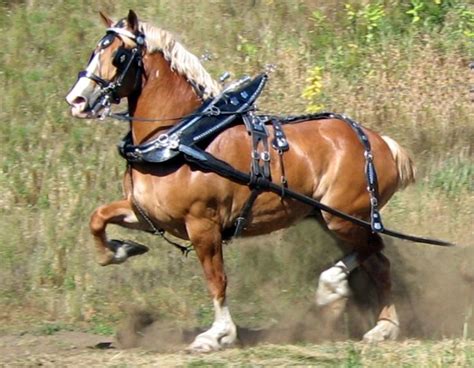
{"x":387,"y":328}
{"x":333,"y":290}
{"x":367,"y":247}
{"x":115,"y":251}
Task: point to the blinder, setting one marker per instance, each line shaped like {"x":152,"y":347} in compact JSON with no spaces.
{"x":107,"y":40}
{"x":121,"y":58}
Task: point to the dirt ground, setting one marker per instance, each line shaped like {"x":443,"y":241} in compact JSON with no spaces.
{"x":79,"y":349}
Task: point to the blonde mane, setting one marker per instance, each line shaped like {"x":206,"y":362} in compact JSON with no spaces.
{"x":181,"y":60}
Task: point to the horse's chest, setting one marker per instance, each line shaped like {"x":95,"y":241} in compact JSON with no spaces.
{"x":160,"y":199}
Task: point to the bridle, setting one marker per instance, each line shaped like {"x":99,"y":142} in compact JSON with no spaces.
{"x":125,"y":60}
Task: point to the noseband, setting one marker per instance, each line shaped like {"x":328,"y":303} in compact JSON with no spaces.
{"x":124,"y":59}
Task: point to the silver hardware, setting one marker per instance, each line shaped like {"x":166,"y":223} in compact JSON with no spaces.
{"x":173,"y":141}
{"x":265,"y":156}
{"x":105,"y":113}
{"x":374,"y":202}
{"x":224,"y":76}
{"x":140,"y":40}
{"x":163,"y":140}
{"x":213,"y":111}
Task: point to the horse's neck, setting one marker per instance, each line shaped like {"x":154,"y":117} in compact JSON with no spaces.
{"x":165,"y":95}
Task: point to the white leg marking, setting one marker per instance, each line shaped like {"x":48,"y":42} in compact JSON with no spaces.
{"x":131,"y":218}
{"x":333,"y":284}
{"x":223,"y":332}
{"x":386,"y":329}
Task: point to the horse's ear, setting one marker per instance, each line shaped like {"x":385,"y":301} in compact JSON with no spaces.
{"x":132,"y":21}
{"x":106,"y":20}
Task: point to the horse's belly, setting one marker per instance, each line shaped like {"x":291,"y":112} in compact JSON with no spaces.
{"x":271,"y":213}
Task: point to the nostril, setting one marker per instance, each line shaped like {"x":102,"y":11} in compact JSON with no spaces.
{"x":79,"y":100}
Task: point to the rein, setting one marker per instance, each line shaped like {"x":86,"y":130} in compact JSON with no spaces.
{"x":124,"y":116}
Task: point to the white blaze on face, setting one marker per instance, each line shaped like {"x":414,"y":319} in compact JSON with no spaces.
{"x":85,"y":91}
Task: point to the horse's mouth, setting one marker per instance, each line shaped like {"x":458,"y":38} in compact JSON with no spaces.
{"x":80,"y":113}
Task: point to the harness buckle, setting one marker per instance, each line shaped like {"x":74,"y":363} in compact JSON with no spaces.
{"x":374,"y":202}
{"x":265,"y":156}
{"x":213,"y":111}
{"x":163,"y":140}
{"x":173,"y":141}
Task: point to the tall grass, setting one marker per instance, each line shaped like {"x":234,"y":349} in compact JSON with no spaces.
{"x":397,"y":68}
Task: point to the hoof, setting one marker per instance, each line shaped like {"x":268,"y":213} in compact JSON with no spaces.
{"x":203,"y":344}
{"x":210,"y":341}
{"x":385,"y":330}
{"x":125,"y":249}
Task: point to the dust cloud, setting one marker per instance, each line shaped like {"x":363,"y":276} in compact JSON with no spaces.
{"x":433,"y":290}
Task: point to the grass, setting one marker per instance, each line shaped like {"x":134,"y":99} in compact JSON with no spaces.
{"x":411,"y":353}
{"x":408,"y":79}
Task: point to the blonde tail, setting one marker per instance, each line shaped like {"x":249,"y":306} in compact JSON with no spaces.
{"x":405,"y":166}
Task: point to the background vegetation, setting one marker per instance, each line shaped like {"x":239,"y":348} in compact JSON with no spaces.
{"x":398,"y":66}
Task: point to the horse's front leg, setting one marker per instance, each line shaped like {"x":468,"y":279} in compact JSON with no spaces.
{"x":207,"y":240}
{"x":115,"y":251}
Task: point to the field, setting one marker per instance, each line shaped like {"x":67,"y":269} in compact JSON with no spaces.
{"x":68,"y":349}
{"x":399,"y":67}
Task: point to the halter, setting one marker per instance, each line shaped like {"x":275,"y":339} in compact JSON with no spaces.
{"x":123,"y":60}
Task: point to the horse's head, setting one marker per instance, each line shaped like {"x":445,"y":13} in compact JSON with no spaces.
{"x":114,"y":70}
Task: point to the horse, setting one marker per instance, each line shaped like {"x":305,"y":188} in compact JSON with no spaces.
{"x":162,"y":80}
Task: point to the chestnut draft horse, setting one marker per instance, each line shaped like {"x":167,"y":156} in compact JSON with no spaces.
{"x":325,"y":162}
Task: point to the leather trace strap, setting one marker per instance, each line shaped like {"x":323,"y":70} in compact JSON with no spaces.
{"x":242,"y":220}
{"x":259,"y":167}
{"x":260,"y":164}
